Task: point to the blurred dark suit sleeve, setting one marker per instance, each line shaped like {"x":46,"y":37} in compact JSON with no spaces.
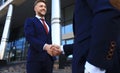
{"x":68,"y":49}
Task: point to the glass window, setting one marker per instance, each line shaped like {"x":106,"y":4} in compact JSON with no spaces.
{"x":63,"y":42}
{"x":20,"y":43}
{"x":15,"y":50}
{"x":70,"y":41}
{"x":63,"y":29}
{"x":67,"y":29}
{"x":67,"y":19}
{"x":67,"y":41}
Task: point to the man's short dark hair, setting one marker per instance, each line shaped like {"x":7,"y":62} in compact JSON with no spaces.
{"x":37,"y":1}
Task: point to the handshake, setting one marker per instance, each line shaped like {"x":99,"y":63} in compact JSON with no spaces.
{"x":53,"y":50}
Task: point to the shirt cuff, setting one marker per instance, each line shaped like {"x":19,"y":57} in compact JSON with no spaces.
{"x":44,"y":46}
{"x":61,"y":47}
{"x":93,"y":69}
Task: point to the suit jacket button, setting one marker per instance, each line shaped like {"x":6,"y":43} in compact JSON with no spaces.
{"x":110,"y":53}
{"x":112,"y":48}
{"x":109,"y":57}
{"x":113,"y":43}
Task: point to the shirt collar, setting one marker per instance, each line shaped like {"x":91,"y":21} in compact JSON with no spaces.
{"x":38,"y":17}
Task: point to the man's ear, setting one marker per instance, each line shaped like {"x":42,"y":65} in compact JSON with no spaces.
{"x":35,"y":8}
{"x":115,"y":3}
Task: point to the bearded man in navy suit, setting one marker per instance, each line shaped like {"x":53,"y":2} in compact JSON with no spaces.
{"x":38,"y":33}
{"x":97,"y":36}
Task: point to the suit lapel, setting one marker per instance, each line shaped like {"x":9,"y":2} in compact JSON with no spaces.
{"x":39,"y":24}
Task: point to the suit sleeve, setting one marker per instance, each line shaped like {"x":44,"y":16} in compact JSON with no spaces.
{"x":105,"y":34}
{"x":31,"y":37}
{"x":101,"y":5}
{"x":68,"y":49}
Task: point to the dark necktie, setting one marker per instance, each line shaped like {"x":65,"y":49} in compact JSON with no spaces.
{"x":45,"y":26}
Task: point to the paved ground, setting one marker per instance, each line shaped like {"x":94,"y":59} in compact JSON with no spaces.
{"x":20,"y":68}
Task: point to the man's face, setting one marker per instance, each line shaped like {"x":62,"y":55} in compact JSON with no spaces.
{"x":40,"y":9}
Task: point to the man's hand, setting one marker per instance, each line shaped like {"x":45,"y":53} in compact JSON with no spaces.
{"x":48,"y":49}
{"x":115,"y":3}
{"x":56,"y":50}
{"x":53,"y":50}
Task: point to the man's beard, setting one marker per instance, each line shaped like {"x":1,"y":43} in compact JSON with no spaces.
{"x":42,"y":15}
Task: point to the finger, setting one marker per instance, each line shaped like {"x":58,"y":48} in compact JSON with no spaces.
{"x":49,"y":51}
{"x":56,"y":52}
{"x":57,"y":46}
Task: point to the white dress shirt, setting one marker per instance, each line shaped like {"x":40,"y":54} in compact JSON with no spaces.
{"x":89,"y":68}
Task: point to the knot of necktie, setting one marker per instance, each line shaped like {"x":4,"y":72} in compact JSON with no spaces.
{"x":42,"y":19}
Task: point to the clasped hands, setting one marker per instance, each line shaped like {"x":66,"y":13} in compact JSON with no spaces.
{"x":53,"y":50}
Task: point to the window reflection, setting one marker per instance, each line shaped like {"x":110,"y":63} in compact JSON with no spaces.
{"x":70,"y":41}
{"x":67,"y":29}
{"x":16,"y":50}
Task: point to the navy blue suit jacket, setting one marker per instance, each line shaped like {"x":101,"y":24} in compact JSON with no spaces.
{"x":36,"y":36}
{"x":68,"y":49}
{"x":96,"y":27}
